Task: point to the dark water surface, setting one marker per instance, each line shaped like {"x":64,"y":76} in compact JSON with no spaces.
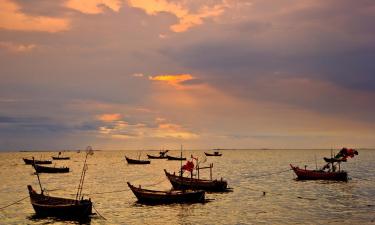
{"x":249,"y":173}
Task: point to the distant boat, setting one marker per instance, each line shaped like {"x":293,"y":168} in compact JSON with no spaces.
{"x":137,"y":161}
{"x":59,"y":157}
{"x":164,"y":197}
{"x":175,"y":158}
{"x":31,"y":161}
{"x":213,"y":154}
{"x":48,"y":169}
{"x":305,"y":174}
{"x":180,"y":182}
{"x":162,"y":155}
{"x":78,"y":208}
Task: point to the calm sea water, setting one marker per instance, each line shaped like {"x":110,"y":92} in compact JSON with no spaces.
{"x":249,"y":173}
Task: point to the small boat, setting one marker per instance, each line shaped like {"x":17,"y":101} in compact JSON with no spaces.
{"x":137,"y":161}
{"x":64,"y":208}
{"x":175,"y":158}
{"x":181,"y":182}
{"x":213,"y":154}
{"x":32,"y":161}
{"x":164,"y":197}
{"x":59,"y":207}
{"x":48,"y":169}
{"x":59,"y":157}
{"x":305,"y":174}
{"x":162,"y":155}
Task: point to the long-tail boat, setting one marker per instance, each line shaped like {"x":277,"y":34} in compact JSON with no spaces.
{"x":213,"y":154}
{"x":176,"y":158}
{"x":162,"y":155}
{"x":78,"y":208}
{"x":329,"y":171}
{"x":165,"y":197}
{"x":137,"y":161}
{"x":32,"y":161}
{"x":48,"y":169}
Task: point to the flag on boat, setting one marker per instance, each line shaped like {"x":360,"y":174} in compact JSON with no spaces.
{"x":345,"y":153}
{"x":189,"y":166}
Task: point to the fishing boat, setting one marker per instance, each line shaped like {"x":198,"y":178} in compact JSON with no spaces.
{"x":165,"y":197}
{"x":330,"y":171}
{"x":176,"y":158}
{"x":32,"y":161}
{"x":162,"y":155}
{"x":48,"y":169}
{"x":213,"y":154}
{"x":78,"y":208}
{"x":305,"y":174}
{"x":137,"y":161}
{"x":180,"y":182}
{"x":59,"y":157}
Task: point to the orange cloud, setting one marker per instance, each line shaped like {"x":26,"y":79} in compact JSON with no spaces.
{"x":185,"y":17}
{"x":17,"y":48}
{"x":11,"y":18}
{"x":174,"y":80}
{"x":109,"y":117}
{"x":93,"y":6}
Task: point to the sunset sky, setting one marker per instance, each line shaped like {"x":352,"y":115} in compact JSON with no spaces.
{"x":152,"y":74}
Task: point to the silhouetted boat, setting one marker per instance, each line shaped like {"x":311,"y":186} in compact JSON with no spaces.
{"x":213,"y":154}
{"x":175,"y":158}
{"x":305,"y":174}
{"x":180,"y":182}
{"x":78,"y":208}
{"x":164,"y":197}
{"x":162,"y":155}
{"x":48,"y":169}
{"x":60,"y":207}
{"x":59,"y":157}
{"x":32,"y":161}
{"x":137,"y":161}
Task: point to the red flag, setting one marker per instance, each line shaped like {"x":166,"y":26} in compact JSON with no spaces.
{"x":189,"y":166}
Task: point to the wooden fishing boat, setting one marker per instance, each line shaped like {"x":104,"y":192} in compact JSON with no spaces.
{"x":156,"y":157}
{"x":175,"y":158}
{"x":180,"y":182}
{"x":305,"y":174}
{"x":60,"y":158}
{"x":59,"y":207}
{"x":32,"y":161}
{"x":213,"y":154}
{"x":78,"y":208}
{"x":137,"y":161}
{"x":48,"y":169}
{"x":165,"y":197}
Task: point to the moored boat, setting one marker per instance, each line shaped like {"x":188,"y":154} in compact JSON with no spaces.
{"x":32,"y":161}
{"x":181,"y":182}
{"x":305,"y":174}
{"x":213,"y":154}
{"x":156,"y":157}
{"x":137,"y":161}
{"x":164,"y":197}
{"x":48,"y":169}
{"x":175,"y":158}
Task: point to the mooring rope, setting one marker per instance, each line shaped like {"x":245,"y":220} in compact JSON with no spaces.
{"x":98,"y":212}
{"x":268,"y":174}
{"x":14,"y":203}
{"x":107,"y":192}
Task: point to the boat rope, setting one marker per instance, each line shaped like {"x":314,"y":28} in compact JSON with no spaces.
{"x":93,"y":205}
{"x":268,"y":174}
{"x":14,"y":203}
{"x":107,"y":192}
{"x":360,"y":178}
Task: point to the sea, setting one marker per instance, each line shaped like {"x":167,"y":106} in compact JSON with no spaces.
{"x":264,"y":189}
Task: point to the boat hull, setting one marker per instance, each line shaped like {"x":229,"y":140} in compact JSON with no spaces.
{"x":167,"y":197}
{"x":31,"y":162}
{"x":212,"y":154}
{"x":46,"y":169}
{"x":175,"y":158}
{"x":181,"y":183}
{"x":59,"y":207}
{"x":60,"y":158}
{"x":156,"y":157}
{"x":304,"y":174}
{"x":136,"y":161}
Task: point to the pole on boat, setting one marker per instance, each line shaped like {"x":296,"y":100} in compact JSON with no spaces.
{"x":211,"y":165}
{"x":83,"y":173}
{"x":181,"y":161}
{"x":316,"y":164}
{"x":37,"y":175}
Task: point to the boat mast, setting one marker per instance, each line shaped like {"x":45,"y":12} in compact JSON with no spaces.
{"x":83,"y":173}
{"x":37,"y":174}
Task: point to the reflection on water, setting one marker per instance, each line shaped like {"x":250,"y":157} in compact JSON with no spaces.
{"x":264,"y":191}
